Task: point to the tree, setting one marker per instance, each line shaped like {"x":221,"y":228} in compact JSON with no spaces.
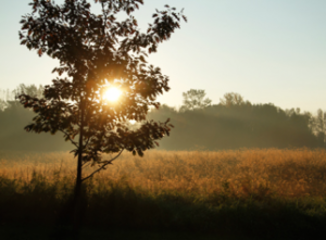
{"x":3,"y":105}
{"x":194,"y":99}
{"x":318,"y":126}
{"x":233,"y":99}
{"x":31,"y":90}
{"x":7,"y":95}
{"x":96,"y":52}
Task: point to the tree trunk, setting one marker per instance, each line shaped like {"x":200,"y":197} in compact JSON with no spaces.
{"x":80,"y":157}
{"x":79,"y":168}
{"x":78,"y":187}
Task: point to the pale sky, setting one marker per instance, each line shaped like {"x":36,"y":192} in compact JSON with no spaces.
{"x":269,"y":51}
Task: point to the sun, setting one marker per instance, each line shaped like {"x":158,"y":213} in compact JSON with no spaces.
{"x":112,"y":94}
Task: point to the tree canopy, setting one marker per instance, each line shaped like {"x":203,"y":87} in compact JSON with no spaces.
{"x":97,"y":51}
{"x":233,"y":99}
{"x":194,"y":99}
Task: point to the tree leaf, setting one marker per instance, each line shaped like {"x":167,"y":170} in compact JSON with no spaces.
{"x":40,"y":52}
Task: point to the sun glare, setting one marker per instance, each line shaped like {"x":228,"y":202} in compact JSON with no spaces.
{"x":112,"y":94}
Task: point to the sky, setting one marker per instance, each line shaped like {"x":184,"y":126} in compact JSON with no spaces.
{"x":267,"y":51}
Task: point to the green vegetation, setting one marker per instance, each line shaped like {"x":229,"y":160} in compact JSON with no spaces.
{"x":231,"y":124}
{"x":235,"y":123}
{"x":258,"y":194}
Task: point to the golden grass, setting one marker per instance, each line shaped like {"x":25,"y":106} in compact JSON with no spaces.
{"x":242,"y":173}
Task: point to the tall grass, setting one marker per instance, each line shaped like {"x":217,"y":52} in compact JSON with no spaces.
{"x":285,"y":173}
{"x":267,"y":192}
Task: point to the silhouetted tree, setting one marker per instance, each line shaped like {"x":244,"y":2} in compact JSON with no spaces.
{"x":194,"y":99}
{"x":97,"y":51}
{"x":232,"y":98}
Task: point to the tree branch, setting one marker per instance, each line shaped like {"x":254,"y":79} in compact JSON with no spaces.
{"x":103,"y":166}
{"x":72,"y":141}
{"x":85,"y":164}
{"x":87,"y":141}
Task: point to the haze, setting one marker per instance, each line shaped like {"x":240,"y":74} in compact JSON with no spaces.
{"x":267,"y":51}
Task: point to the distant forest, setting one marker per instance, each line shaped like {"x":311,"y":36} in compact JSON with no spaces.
{"x":233,"y":123}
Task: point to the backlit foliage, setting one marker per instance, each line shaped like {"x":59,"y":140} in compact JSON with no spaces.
{"x":93,"y":51}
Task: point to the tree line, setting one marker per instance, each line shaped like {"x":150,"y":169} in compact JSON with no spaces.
{"x":198,"y":124}
{"x":235,"y":123}
{"x":14,"y":117}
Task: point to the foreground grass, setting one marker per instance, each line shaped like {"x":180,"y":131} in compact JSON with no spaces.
{"x":263,"y":194}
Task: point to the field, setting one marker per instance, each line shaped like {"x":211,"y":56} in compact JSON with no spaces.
{"x":253,"y":193}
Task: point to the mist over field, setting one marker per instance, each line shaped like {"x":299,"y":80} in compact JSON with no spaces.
{"x":225,"y":166}
{"x":235,"y":165}
{"x":199,"y":124}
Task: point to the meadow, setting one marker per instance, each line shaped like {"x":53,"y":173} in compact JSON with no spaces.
{"x":254,"y":193}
